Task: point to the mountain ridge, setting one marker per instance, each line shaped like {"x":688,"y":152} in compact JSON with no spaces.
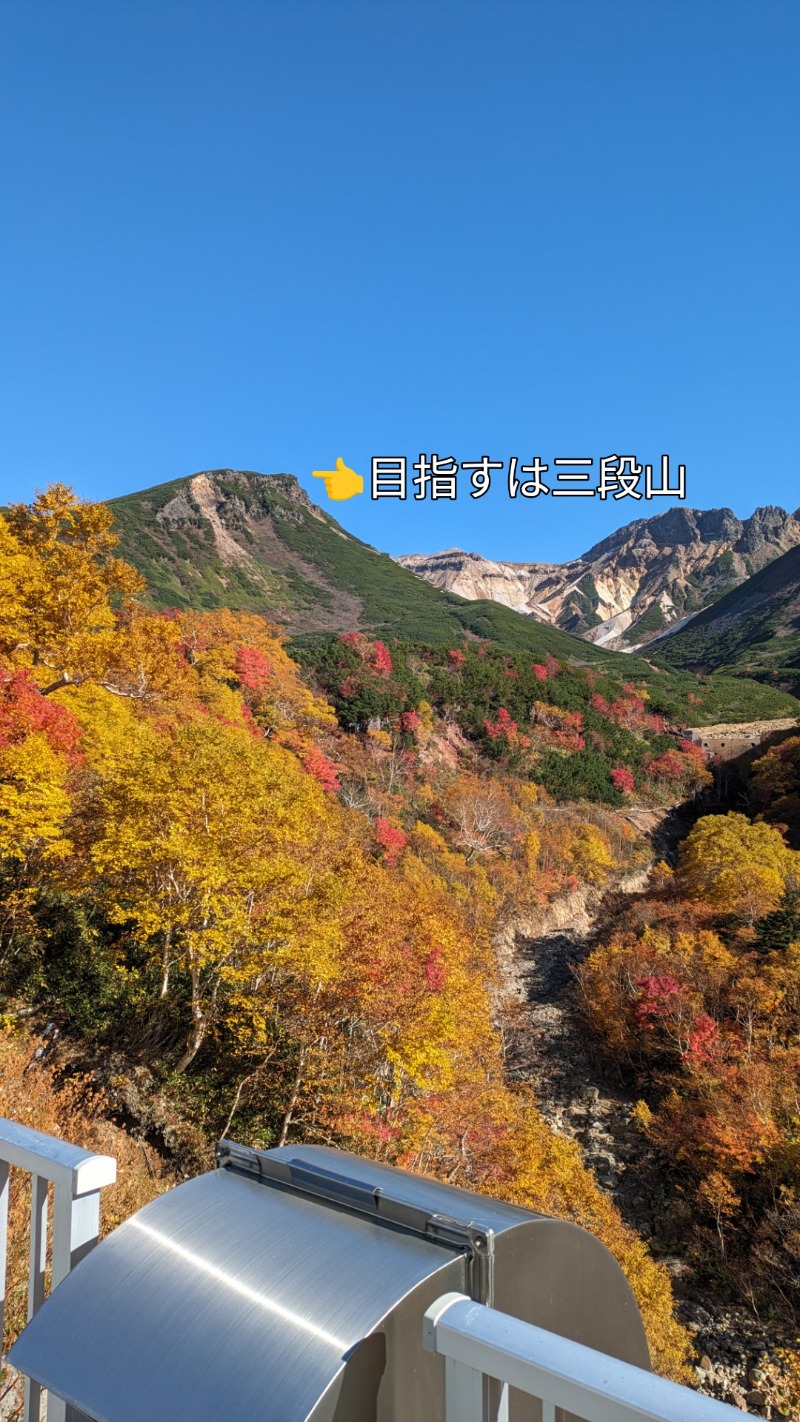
{"x":256,"y":542}
{"x":633,"y":584}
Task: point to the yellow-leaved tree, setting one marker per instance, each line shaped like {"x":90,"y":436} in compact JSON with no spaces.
{"x":215,"y":847}
{"x":61,"y":551}
{"x":736,"y":866}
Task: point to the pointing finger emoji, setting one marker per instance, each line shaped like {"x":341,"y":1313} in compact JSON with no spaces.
{"x":341,"y":482}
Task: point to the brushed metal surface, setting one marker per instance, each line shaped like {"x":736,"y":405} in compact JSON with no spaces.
{"x":229,"y":1297}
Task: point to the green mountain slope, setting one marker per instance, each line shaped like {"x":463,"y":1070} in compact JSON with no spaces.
{"x":755,"y":629}
{"x":255,"y":542}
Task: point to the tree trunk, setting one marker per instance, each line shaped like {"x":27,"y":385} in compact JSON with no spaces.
{"x":199,"y":1025}
{"x":287,"y":1118}
{"x":166,"y":963}
{"x":251,"y":1076}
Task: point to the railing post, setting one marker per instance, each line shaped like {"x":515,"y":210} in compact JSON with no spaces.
{"x":36,"y":1276}
{"x":76,"y":1229}
{"x":471,"y":1396}
{"x":466,"y":1389}
{"x":3,"y":1246}
{"x":77,"y":1177}
{"x":464,"y":1393}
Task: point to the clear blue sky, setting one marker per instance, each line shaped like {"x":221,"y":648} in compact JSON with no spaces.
{"x":261,"y":235}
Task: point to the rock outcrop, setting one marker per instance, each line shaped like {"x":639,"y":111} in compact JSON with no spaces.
{"x":630,"y":587}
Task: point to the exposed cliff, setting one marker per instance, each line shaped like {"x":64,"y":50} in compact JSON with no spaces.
{"x":631,"y":586}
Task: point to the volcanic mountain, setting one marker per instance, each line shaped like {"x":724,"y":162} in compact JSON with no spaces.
{"x":226,"y":538}
{"x":628,"y":588}
{"x":255,"y":542}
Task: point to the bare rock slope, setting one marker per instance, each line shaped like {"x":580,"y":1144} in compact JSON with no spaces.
{"x":629,"y":588}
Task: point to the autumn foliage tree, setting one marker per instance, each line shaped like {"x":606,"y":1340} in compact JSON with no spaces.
{"x":774,"y":787}
{"x":737,"y":866}
{"x":59,"y":554}
{"x":694,"y":996}
{"x":284,"y":917}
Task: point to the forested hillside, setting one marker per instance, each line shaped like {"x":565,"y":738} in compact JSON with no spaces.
{"x":237,"y":916}
{"x":252,"y":888}
{"x":693,"y":999}
{"x":579,"y":732}
{"x":754,"y":630}
{"x":694,"y":996}
{"x":252,"y":542}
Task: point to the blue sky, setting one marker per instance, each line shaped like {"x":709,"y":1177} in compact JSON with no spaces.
{"x":261,"y":235}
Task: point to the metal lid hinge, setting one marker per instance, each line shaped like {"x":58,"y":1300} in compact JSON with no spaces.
{"x":331,"y":1187}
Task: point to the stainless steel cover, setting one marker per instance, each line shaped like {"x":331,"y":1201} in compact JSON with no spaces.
{"x":279,"y":1288}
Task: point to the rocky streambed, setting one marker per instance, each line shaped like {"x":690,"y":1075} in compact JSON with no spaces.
{"x":546,"y":1048}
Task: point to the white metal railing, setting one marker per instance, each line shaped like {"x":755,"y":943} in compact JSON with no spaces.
{"x":486,"y":1352}
{"x":480,"y":1344}
{"x":77,"y":1177}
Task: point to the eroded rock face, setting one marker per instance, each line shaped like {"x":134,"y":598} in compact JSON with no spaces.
{"x":632,"y":585}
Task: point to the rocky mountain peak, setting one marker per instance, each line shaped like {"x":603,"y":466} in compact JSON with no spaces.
{"x":225,"y":498}
{"x":677,"y":527}
{"x":632,"y":585}
{"x":765,"y":525}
